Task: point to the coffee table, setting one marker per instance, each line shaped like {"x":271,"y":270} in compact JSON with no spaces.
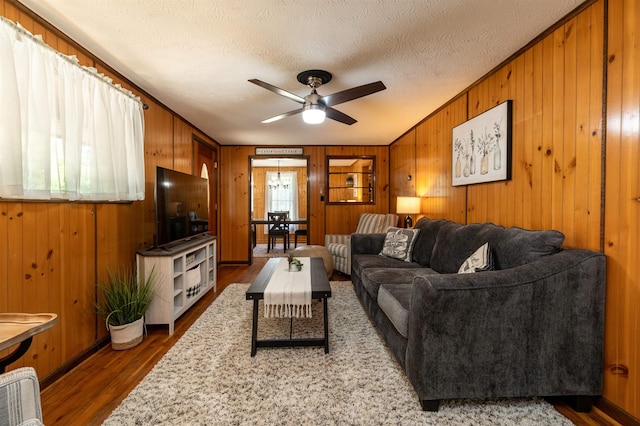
{"x":320,"y":290}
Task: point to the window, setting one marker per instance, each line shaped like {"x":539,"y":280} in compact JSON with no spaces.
{"x":65,"y":132}
{"x":282,"y":193}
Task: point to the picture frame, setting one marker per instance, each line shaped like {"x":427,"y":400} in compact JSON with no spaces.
{"x":481,"y":147}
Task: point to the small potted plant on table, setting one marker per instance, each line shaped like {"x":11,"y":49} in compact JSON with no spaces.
{"x":294,"y":264}
{"x":123,"y":300}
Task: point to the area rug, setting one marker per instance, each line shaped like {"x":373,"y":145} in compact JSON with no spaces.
{"x":260,"y":250}
{"x":209,"y":378}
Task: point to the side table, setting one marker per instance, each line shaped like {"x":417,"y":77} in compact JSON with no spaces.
{"x":20,"y":329}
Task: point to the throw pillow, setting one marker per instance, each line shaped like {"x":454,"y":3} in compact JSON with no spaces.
{"x":480,"y":260}
{"x":398,"y":243}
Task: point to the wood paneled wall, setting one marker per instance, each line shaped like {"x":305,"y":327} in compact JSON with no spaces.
{"x":560,"y":92}
{"x":52,"y":254}
{"x":402,"y":167}
{"x":622,"y":207}
{"x":557,"y":134}
{"x":323,"y":219}
{"x":433,"y":163}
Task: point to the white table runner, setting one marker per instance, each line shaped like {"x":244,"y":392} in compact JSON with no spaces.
{"x":288,"y":294}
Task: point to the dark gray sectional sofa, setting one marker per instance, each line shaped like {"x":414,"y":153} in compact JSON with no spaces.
{"x":531,"y":327}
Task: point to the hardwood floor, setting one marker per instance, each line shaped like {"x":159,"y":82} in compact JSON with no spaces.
{"x":87,"y":394}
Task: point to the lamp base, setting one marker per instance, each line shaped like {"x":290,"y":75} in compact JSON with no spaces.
{"x":408,"y":222}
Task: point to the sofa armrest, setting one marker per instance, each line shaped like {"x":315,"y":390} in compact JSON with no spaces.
{"x":336,"y":238}
{"x":366,"y":243}
{"x":532,"y":330}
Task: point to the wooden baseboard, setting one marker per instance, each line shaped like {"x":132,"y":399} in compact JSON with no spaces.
{"x":65,"y":368}
{"x":615,"y":413}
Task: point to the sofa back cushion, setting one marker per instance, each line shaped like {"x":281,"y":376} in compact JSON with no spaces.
{"x":376,"y":223}
{"x":426,"y":239}
{"x":511,"y":247}
{"x":369,"y":223}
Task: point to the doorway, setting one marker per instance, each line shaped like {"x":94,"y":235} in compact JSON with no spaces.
{"x":278,"y":184}
{"x":206,"y":165}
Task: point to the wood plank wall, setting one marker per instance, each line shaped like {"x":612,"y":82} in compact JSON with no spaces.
{"x":558,"y":86}
{"x":233,"y":238}
{"x":622,"y":207}
{"x":433,"y":163}
{"x":51,"y":254}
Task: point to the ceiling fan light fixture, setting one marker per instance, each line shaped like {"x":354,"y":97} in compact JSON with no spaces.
{"x":313,"y":114}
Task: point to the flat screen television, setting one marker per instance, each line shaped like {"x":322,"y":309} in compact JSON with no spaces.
{"x":182,"y":206}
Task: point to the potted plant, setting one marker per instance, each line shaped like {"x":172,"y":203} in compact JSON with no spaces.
{"x":122,"y":303}
{"x":294,"y":264}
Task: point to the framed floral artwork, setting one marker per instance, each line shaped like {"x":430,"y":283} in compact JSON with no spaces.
{"x":482,"y":147}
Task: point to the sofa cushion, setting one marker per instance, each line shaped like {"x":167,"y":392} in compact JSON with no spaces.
{"x":395,"y":300}
{"x":426,"y":239}
{"x":398,"y":244}
{"x":480,"y":260}
{"x":511,"y":247}
{"x":373,"y":278}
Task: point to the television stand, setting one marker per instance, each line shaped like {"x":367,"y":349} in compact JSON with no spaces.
{"x":185,"y":271}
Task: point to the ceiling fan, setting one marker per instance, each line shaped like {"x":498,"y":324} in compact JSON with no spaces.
{"x":316,"y":107}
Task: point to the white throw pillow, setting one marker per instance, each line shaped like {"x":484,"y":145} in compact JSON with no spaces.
{"x":480,"y":260}
{"x":399,"y":242}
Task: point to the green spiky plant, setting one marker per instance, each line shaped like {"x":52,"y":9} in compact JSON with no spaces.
{"x":123,"y":297}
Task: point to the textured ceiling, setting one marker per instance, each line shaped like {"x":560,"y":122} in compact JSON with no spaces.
{"x":196,"y":56}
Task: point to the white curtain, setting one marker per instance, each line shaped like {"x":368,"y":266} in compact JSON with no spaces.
{"x":66,"y":132}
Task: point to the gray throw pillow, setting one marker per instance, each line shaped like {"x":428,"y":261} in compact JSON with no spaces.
{"x":398,"y":243}
{"x":480,"y":260}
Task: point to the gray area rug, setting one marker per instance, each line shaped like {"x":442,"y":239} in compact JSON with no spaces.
{"x":209,"y":378}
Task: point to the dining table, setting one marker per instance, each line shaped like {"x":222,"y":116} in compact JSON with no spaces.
{"x":262,"y":221}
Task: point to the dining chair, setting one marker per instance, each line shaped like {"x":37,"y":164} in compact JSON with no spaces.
{"x":277,"y":227}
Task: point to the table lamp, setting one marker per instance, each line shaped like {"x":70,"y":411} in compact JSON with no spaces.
{"x":408,"y":206}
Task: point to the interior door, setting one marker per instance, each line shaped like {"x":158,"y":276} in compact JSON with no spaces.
{"x":207,"y":162}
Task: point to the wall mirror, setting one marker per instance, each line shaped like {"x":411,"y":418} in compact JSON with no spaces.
{"x":351,"y":179}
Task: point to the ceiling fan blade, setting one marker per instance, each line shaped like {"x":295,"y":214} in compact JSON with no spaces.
{"x":281,"y":116}
{"x":351,"y":94}
{"x":278,"y":91}
{"x":334,"y":114}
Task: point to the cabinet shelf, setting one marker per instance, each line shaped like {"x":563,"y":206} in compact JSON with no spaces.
{"x":184,"y":273}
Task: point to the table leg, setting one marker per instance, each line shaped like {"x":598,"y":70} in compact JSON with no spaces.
{"x":326,"y":326}
{"x":15,"y":355}
{"x":254,"y":328}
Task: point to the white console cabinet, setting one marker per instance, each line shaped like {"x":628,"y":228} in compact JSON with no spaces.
{"x":185,"y":271}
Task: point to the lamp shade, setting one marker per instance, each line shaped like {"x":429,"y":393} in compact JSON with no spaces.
{"x":408,"y":205}
{"x":313,"y":114}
